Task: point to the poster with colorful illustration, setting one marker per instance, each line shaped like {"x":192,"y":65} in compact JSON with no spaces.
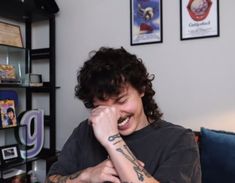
{"x":8,"y":115}
{"x":146,"y":21}
{"x":199,"y":19}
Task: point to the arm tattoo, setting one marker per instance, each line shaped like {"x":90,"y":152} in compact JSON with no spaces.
{"x":75,"y":175}
{"x":113,"y":137}
{"x":57,"y":179}
{"x":117,"y":142}
{"x":62,"y":179}
{"x":140,"y":171}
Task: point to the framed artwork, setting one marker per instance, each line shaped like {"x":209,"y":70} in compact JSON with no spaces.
{"x":146,"y":21}
{"x":10,"y":35}
{"x":9,"y":153}
{"x":7,"y":72}
{"x":199,"y":19}
{"x":8,"y":115}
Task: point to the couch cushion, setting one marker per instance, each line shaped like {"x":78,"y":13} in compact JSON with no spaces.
{"x":217,"y":150}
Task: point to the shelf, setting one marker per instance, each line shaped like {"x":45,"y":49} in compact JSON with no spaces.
{"x":26,"y":59}
{"x":40,"y":89}
{"x":23,"y":10}
{"x":15,"y":85}
{"x":47,"y":120}
{"x":12,"y":165}
{"x":43,"y":53}
{"x":45,"y":88}
{"x":10,"y":143}
{"x":11,"y":48}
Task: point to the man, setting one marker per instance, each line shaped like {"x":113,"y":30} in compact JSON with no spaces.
{"x":124,"y":138}
{"x":11,"y":117}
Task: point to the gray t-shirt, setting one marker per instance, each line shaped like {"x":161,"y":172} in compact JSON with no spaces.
{"x":169,"y":152}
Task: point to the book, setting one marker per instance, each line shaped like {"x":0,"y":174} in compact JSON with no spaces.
{"x":7,"y":72}
{"x":8,"y":114}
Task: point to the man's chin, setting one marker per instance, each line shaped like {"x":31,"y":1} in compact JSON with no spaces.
{"x":126,"y":132}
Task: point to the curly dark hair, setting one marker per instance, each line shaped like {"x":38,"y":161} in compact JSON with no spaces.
{"x":10,"y":109}
{"x":107,"y":71}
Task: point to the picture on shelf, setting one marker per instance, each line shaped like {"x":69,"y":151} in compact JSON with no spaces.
{"x":8,"y":114}
{"x":10,"y":35}
{"x":7,"y":73}
{"x":33,"y":79}
{"x":10,"y":153}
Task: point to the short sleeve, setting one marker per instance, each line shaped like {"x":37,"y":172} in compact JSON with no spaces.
{"x":182,"y":164}
{"x":69,"y":157}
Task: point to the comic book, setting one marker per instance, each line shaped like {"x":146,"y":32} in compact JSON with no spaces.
{"x":8,"y":115}
{"x":7,"y":72}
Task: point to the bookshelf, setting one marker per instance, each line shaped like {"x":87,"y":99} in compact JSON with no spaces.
{"x":27,"y":13}
{"x":12,"y":165}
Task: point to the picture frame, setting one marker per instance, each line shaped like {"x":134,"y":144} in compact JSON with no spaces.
{"x":9,"y":153}
{"x":10,"y":35}
{"x":33,"y":80}
{"x":7,"y":73}
{"x":145,"y":22}
{"x":199,"y":19}
{"x":8,"y":117}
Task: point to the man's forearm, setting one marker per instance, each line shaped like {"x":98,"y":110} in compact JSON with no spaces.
{"x":127,"y":165}
{"x":63,"y":179}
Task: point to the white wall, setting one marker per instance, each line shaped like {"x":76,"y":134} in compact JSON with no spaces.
{"x":194,"y":78}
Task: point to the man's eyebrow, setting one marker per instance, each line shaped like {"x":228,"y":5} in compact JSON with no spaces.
{"x":121,"y":96}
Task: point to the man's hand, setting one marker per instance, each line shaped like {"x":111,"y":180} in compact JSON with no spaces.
{"x":104,"y":122}
{"x":103,"y":172}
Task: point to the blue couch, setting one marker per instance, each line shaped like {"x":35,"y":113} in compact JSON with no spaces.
{"x":217,"y":152}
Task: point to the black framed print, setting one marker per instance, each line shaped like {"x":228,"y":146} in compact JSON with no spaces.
{"x":199,"y":19}
{"x":146,"y":21}
{"x":10,"y":153}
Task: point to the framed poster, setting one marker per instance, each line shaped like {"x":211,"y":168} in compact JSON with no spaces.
{"x":10,"y":153}
{"x":199,"y":19}
{"x":8,"y":114}
{"x":7,"y":73}
{"x":146,"y":21}
{"x":10,"y":35}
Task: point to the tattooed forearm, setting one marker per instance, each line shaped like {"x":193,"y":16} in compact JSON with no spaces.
{"x":117,"y":142}
{"x":75,"y":175}
{"x":128,"y":155}
{"x":133,"y":160}
{"x":140,"y":171}
{"x":57,"y":179}
{"x":62,"y":179}
{"x":138,"y":166}
{"x":113,"y":137}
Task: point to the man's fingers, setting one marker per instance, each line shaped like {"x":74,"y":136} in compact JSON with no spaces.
{"x":141,"y":163}
{"x":109,"y":163}
{"x":111,"y":171}
{"x":112,"y":179}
